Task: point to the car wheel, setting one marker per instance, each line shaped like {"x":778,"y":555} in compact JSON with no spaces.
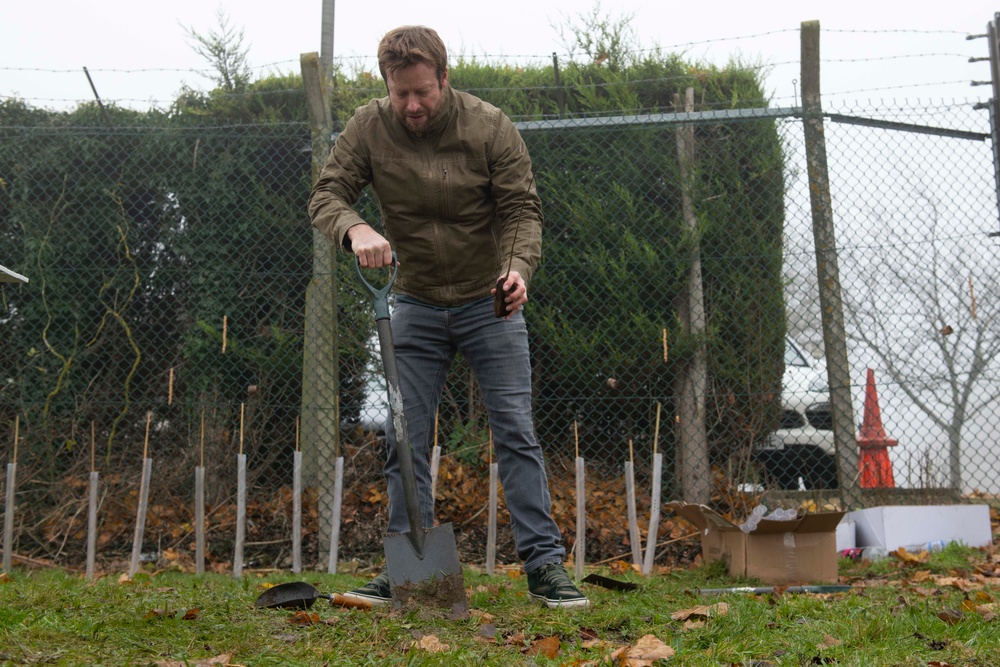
{"x":819,"y":469}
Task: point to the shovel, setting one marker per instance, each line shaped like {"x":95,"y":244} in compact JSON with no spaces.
{"x":422,"y":563}
{"x":300,"y":595}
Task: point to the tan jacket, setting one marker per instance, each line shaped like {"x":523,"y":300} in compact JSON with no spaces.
{"x":449,"y":198}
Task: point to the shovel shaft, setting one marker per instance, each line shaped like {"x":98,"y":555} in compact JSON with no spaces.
{"x":404,"y":453}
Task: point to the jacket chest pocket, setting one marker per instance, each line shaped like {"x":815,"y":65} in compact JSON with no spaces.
{"x":464,"y":191}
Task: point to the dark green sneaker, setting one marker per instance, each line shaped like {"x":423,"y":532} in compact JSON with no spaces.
{"x":376,"y":591}
{"x":551,"y":585}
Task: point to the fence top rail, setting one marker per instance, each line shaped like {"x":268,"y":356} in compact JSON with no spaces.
{"x":713,"y":115}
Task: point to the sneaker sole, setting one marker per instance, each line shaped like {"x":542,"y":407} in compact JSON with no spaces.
{"x":575,"y":603}
{"x":373,"y":599}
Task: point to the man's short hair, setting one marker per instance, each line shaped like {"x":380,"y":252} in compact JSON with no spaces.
{"x":410,"y":45}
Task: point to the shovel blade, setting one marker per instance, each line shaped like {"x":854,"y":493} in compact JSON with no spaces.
{"x":433,"y":577}
{"x":293,"y":595}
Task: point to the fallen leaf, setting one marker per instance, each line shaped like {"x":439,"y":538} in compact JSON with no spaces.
{"x":828,"y":641}
{"x":644,"y":653}
{"x":482,"y":617}
{"x":431,"y":644}
{"x":4,"y":578}
{"x":950,"y":616}
{"x":704,"y":611}
{"x":192,"y":614}
{"x":547,"y":646}
{"x":124,"y":579}
{"x":620,"y":567}
{"x":156,"y":614}
{"x":906,"y":557}
{"x":959,"y":583}
{"x":983,"y":610}
{"x":303,"y":618}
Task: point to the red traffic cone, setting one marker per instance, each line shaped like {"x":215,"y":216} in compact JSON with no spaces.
{"x":876,"y":469}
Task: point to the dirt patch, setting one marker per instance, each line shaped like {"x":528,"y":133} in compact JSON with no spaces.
{"x":445,"y":595}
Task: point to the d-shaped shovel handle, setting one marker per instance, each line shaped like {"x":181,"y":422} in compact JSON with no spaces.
{"x":380,"y":295}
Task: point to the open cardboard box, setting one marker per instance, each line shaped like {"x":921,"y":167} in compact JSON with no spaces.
{"x":801,"y":551}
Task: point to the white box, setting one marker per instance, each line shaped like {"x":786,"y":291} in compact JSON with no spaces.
{"x":846,"y":535}
{"x":894,"y":526}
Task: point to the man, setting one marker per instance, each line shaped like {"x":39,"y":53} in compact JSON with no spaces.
{"x":452,"y":176}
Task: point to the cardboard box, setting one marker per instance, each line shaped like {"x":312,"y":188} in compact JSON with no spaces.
{"x":800,"y":551}
{"x":894,"y":526}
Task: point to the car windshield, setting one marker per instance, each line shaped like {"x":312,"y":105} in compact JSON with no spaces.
{"x":794,"y":356}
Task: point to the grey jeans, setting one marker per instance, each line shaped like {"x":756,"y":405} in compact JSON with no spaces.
{"x":426,"y":340}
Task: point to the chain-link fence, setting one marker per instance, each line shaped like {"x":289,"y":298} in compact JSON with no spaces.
{"x":178,"y":310}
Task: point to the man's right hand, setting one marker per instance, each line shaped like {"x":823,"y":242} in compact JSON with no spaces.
{"x":372,"y":249}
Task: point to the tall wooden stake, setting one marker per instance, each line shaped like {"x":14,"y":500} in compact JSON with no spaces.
{"x":321,"y":332}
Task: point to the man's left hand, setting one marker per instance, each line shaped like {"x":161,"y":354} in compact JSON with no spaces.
{"x":517,"y":292}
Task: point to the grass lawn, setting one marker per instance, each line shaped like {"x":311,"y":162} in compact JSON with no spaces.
{"x":935,"y":609}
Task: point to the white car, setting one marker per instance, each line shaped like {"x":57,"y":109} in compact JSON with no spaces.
{"x":800,"y":454}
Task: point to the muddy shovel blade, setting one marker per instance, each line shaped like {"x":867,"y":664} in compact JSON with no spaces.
{"x":434,"y":577}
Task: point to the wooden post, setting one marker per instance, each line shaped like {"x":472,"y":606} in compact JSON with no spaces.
{"x":692,"y":471}
{"x":560,"y":93}
{"x":828,"y":271}
{"x":320,"y":367}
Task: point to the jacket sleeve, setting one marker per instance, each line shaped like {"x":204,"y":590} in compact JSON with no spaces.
{"x":510,"y":175}
{"x":347,"y":172}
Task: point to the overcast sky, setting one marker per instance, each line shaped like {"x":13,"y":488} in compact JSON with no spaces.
{"x":139,"y":53}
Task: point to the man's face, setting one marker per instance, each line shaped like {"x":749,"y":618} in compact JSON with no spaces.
{"x":415,"y":95}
